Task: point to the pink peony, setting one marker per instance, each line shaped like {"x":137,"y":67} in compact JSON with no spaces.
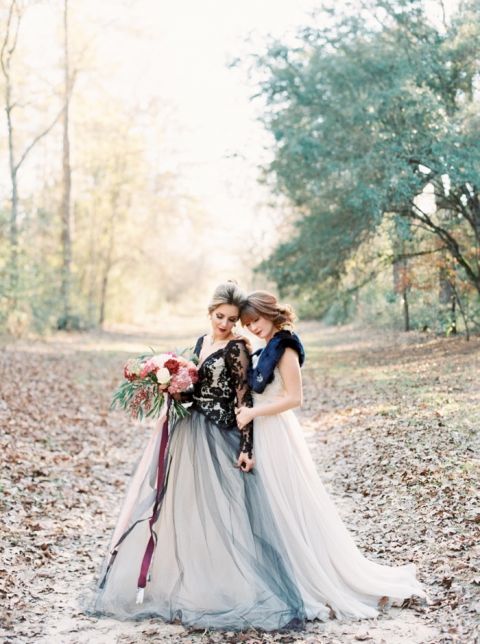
{"x":181,"y":381}
{"x":150,"y":366}
{"x":150,"y":379}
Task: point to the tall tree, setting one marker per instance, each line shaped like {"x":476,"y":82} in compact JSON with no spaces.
{"x":16,"y":159}
{"x":66,"y":215}
{"x":366,"y":115}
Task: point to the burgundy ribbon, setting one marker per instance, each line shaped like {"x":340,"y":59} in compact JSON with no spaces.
{"x":147,"y":557}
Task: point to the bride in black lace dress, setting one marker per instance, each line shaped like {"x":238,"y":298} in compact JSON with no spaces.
{"x":218,"y":560}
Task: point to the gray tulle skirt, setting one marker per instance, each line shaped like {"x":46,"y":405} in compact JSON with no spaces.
{"x":219,"y":561}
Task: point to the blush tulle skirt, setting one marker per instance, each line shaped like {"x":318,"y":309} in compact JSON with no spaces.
{"x":328,"y":568}
{"x":220,"y":560}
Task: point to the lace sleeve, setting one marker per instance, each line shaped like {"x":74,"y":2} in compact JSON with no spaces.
{"x":237,"y":360}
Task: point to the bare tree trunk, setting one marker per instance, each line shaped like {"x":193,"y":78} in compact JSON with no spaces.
{"x":453,"y":314}
{"x":105,"y":278}
{"x":103,"y":298}
{"x":92,"y":264}
{"x":400,"y":285}
{"x":8,"y":48}
{"x":13,"y":268}
{"x":406,"y":310}
{"x":447,"y":299}
{"x":15,"y":160}
{"x":401,"y":282}
{"x":108,"y":258}
{"x":66,"y":238}
{"x":462,"y":311}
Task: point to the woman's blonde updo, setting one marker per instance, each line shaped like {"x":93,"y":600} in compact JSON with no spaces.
{"x":265,"y":305}
{"x":227,"y":293}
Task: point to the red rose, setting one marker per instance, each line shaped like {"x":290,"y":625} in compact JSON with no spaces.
{"x":172,"y":365}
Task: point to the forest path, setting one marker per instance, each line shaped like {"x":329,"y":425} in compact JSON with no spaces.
{"x":392,"y":421}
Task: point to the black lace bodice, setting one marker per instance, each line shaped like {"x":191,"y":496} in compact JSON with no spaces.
{"x":222,"y":385}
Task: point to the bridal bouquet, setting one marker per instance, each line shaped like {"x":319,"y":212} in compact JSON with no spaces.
{"x":149,"y":379}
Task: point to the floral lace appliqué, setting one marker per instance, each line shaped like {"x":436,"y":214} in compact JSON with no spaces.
{"x":222,"y":386}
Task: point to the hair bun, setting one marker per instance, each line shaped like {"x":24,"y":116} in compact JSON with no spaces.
{"x":286,"y":315}
{"x":227,"y":293}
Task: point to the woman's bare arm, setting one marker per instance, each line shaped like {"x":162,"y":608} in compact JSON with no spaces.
{"x":289,"y":368}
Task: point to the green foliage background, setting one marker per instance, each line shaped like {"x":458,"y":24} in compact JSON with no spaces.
{"x":368,"y":115}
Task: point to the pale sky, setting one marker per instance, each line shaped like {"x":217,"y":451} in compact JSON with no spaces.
{"x":182,"y":58}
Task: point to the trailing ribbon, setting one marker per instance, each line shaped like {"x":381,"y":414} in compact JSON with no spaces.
{"x":159,"y":494}
{"x":152,"y":542}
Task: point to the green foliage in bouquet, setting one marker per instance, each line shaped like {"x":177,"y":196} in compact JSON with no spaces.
{"x":153,"y":379}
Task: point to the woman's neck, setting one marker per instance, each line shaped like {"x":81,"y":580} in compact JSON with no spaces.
{"x":269,"y":337}
{"x":216,"y":340}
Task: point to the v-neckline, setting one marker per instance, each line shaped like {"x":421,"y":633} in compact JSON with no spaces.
{"x":212,"y":353}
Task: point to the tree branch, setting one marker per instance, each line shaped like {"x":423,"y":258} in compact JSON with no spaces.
{"x":444,"y":18}
{"x":446,"y":237}
{"x":6,"y":62}
{"x":462,"y":311}
{"x":40,"y":136}
{"x":418,"y":254}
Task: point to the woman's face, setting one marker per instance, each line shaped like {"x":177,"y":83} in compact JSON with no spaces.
{"x":223,"y":319}
{"x":261,"y":327}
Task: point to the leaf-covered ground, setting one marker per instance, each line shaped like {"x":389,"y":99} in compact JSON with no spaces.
{"x":393,"y":423}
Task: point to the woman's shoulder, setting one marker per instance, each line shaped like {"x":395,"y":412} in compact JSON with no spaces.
{"x":289,"y":356}
{"x":240,"y":339}
{"x":237,"y":351}
{"x":237,"y":344}
{"x":286,"y":333}
{"x":199,"y":344}
{"x":287,"y":338}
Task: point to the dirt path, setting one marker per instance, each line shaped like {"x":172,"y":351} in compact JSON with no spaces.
{"x":392,"y":422}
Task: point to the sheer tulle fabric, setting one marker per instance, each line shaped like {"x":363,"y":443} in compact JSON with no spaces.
{"x":219,"y":561}
{"x":328,"y":567}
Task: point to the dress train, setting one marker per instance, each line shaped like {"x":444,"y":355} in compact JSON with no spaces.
{"x":328,"y":567}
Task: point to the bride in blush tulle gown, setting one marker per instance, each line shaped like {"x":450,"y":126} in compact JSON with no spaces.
{"x":218,"y":561}
{"x":328,"y":567}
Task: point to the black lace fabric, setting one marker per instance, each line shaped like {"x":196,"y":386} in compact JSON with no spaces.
{"x":237,"y":359}
{"x":222,"y":386}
